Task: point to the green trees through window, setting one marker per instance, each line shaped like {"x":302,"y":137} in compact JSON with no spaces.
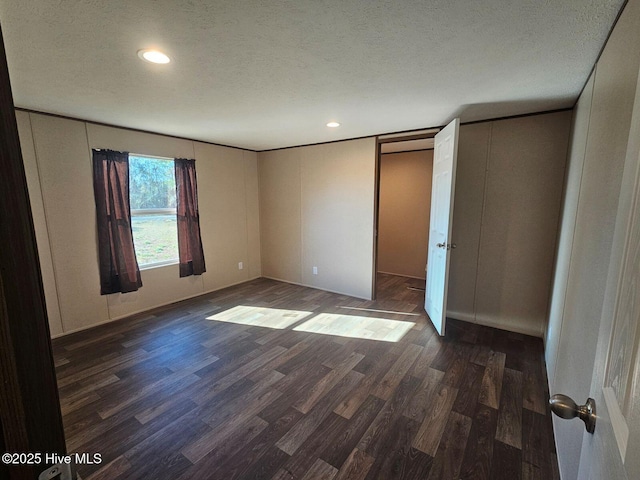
{"x":152,"y":183}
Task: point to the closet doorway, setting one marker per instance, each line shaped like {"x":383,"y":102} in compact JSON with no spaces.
{"x":405,"y":166}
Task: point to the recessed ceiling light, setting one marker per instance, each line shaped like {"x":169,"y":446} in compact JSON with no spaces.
{"x":153,"y":56}
{"x":333,"y":124}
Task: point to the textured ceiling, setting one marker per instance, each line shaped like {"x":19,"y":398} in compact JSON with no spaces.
{"x":266,"y":74}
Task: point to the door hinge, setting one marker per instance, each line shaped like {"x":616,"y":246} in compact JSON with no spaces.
{"x":59,"y":471}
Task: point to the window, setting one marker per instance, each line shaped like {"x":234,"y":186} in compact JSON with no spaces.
{"x":152,"y":193}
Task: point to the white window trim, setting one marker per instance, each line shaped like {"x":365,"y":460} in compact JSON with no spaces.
{"x":153,"y":157}
{"x":149,"y":266}
{"x":153,"y":211}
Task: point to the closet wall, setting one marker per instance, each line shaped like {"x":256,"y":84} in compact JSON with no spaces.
{"x":509,"y":186}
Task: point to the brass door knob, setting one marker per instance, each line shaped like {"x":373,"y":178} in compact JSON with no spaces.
{"x":564,"y":407}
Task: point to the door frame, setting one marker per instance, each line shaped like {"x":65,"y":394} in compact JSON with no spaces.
{"x":30,"y":417}
{"x":381,"y":139}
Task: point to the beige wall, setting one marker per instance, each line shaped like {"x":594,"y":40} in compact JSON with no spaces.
{"x":600,"y":139}
{"x":473,"y":149}
{"x":283,"y":212}
{"x":403,"y":212}
{"x":316,"y":209}
{"x":566,"y":234}
{"x":506,"y":211}
{"x":280,"y":217}
{"x":57,"y":156}
{"x":521,"y":210}
{"x":39,"y":222}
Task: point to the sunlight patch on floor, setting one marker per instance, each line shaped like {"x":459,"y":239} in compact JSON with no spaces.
{"x":352,"y":326}
{"x":260,"y":316}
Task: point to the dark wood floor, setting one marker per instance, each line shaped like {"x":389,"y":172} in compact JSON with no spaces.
{"x":171,"y":394}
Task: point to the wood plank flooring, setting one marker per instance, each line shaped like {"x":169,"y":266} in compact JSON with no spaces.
{"x":200,"y":391}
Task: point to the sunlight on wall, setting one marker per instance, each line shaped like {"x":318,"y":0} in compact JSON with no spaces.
{"x":260,"y":316}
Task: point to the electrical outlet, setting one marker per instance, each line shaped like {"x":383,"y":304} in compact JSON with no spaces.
{"x":240,"y":265}
{"x":315,"y":270}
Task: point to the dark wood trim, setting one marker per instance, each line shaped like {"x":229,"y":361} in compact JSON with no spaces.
{"x":523,"y":115}
{"x":389,"y":140}
{"x":604,"y":45}
{"x":408,"y":151}
{"x":317,"y":143}
{"x":404,"y":134}
{"x":408,"y":138}
{"x":376,"y":219}
{"x":420,"y":136}
{"x":131,"y":129}
{"x":29,"y":404}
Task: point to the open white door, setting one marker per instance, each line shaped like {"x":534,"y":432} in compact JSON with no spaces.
{"x":442,"y":191}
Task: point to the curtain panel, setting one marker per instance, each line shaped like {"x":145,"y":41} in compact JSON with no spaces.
{"x":119,"y":271}
{"x":189,"y":242}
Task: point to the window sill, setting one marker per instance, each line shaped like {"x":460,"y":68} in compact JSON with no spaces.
{"x":150,"y":266}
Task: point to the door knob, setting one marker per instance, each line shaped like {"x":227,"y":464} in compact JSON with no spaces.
{"x":564,"y":407}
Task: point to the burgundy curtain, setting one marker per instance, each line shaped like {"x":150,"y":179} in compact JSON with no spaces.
{"x":119,"y":270}
{"x":189,"y":241}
